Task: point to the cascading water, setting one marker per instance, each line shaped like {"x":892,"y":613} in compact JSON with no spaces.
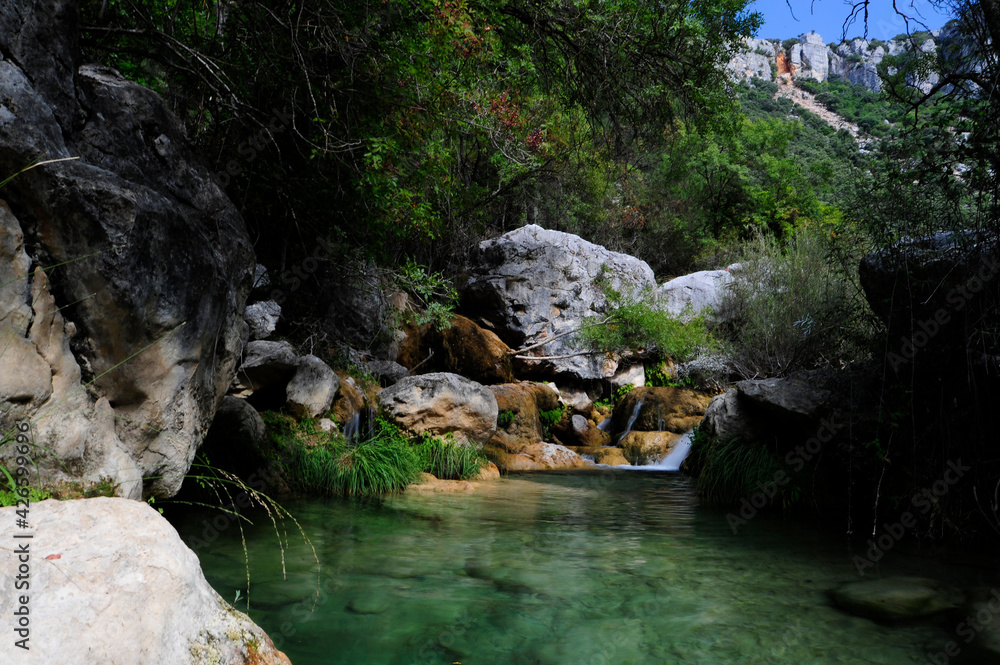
{"x":631,"y":420}
{"x":360,"y":426}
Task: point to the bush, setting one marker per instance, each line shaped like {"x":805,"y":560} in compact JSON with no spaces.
{"x":791,"y":308}
{"x":735,"y":469}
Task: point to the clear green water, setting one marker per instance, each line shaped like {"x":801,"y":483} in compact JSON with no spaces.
{"x":553,"y":569}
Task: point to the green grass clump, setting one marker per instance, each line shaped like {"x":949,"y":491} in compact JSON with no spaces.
{"x":504,"y":419}
{"x":324,"y":463}
{"x":550,"y":419}
{"x":448,"y":460}
{"x":732,"y":470}
{"x":9,"y":498}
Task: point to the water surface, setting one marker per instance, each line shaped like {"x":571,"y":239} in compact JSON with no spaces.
{"x":550,"y":569}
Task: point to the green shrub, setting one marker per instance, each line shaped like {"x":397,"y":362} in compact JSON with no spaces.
{"x":736,"y":469}
{"x":504,"y":419}
{"x":448,"y":460}
{"x":791,"y":307}
{"x":9,"y":498}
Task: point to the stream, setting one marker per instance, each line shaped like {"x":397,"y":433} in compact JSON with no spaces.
{"x":610,"y":567}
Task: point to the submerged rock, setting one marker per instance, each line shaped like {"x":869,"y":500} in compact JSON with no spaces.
{"x":440,"y":404}
{"x":532,"y":284}
{"x":112,"y":582}
{"x":896,"y":598}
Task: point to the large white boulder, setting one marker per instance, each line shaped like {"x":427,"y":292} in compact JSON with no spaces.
{"x":698,"y":293}
{"x":112,"y":582}
{"x":442,"y":403}
{"x":312,"y":388}
{"x":533,"y":284}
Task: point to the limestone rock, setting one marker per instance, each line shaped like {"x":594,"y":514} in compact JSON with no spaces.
{"x":698,"y":293}
{"x":815,"y":57}
{"x":532,"y":284}
{"x":727,"y":418}
{"x":311,"y":389}
{"x":609,"y":456}
{"x":521,"y":403}
{"x":489,"y":472}
{"x":641,"y":448}
{"x":141,"y":203}
{"x":360,"y":311}
{"x":387,"y":372}
{"x":440,"y":404}
{"x":267,"y":366}
{"x":462,"y":348}
{"x":262,"y":318}
{"x":805,"y":394}
{"x":634,"y":375}
{"x":662,"y":408}
{"x":124,"y":588}
{"x":349,"y":400}
{"x":896,"y":598}
{"x":535,"y":457}
{"x":578,"y":431}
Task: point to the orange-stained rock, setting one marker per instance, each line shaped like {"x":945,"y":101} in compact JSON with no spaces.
{"x":521,"y":403}
{"x":663,"y":408}
{"x":610,"y":456}
{"x":349,"y":399}
{"x":647,"y":447}
{"x":535,"y":457}
{"x":488,"y":472}
{"x":462,"y":348}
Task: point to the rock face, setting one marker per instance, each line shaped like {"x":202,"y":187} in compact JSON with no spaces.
{"x":694,"y":294}
{"x":262,"y":318}
{"x":440,"y":404}
{"x":855,"y":61}
{"x":112,"y":582}
{"x":896,"y":598}
{"x":532,"y":284}
{"x":156,"y":262}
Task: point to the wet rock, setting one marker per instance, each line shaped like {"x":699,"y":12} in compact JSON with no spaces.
{"x":642,"y":448}
{"x":662,"y":408}
{"x":349,"y":400}
{"x":440,"y":404}
{"x":532,"y":284}
{"x":609,"y":456}
{"x":896,"y":598}
{"x":124,"y":589}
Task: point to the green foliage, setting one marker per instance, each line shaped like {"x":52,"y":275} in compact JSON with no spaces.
{"x":550,"y":419}
{"x":791,"y":307}
{"x":448,"y":460}
{"x":504,"y":419}
{"x":9,"y":498}
{"x":320,"y":463}
{"x":789,"y":43}
{"x":634,"y":324}
{"x":729,"y":471}
{"x":434,"y":294}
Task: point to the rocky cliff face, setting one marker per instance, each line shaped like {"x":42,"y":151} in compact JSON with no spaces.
{"x":810,"y":57}
{"x":125,"y":271}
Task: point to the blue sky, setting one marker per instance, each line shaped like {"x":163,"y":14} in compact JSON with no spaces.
{"x":827,"y":18}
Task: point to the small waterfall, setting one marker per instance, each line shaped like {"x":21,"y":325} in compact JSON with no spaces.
{"x":673,"y":459}
{"x":604,"y":425}
{"x":360,"y":426}
{"x":631,"y":420}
